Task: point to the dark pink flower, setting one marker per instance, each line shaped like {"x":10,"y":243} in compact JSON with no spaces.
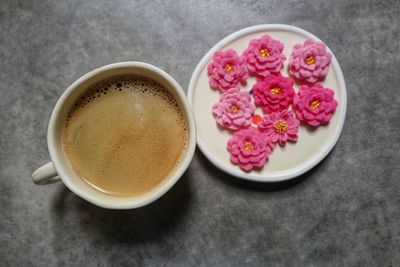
{"x":227,"y":70}
{"x":249,"y":148}
{"x":274,"y":93}
{"x":280,"y":127}
{"x":314,"y":104}
{"x":264,"y":56}
{"x":234,"y":110}
{"x":309,"y":61}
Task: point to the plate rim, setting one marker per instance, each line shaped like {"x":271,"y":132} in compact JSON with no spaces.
{"x":313,"y":160}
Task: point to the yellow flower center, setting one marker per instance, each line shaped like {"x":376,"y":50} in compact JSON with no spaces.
{"x":234,"y":109}
{"x":280,"y":126}
{"x":248,"y":146}
{"x":229,"y":68}
{"x":314,"y":104}
{"x":310,"y":60}
{"x":275,"y":91}
{"x":264,"y":53}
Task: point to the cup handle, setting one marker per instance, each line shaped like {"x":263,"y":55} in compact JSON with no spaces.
{"x":45,"y":175}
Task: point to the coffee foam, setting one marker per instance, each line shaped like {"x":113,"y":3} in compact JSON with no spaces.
{"x":133,"y":83}
{"x":125,"y":135}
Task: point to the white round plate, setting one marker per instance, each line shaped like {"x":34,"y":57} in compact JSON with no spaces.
{"x":285,"y":162}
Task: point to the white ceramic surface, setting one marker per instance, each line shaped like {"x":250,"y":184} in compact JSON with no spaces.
{"x":284,"y":163}
{"x":59,"y":168}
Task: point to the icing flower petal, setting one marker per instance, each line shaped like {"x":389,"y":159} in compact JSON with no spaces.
{"x":314,"y":104}
{"x":274,"y":93}
{"x":249,"y":148}
{"x":264,"y":56}
{"x":309,"y":61}
{"x":280,"y":127}
{"x":227,"y":70}
{"x":234,"y":110}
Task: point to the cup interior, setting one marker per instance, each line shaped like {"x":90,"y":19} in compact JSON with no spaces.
{"x":59,"y":116}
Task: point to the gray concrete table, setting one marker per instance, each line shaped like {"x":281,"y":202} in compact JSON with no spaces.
{"x":345,"y":212}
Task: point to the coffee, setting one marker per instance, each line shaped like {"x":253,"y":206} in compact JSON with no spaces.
{"x":125,"y":135}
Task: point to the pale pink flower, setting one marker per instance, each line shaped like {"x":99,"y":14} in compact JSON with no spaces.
{"x":249,"y":148}
{"x":227,"y":70}
{"x":264,"y":56}
{"x":274,"y":93}
{"x":315,"y":104}
{"x":309,"y":61}
{"x":234,"y":110}
{"x":280,"y":127}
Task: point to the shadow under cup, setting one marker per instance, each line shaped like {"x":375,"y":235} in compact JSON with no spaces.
{"x":69,"y":98}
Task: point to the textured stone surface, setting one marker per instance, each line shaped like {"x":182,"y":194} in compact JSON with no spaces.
{"x":345,"y":212}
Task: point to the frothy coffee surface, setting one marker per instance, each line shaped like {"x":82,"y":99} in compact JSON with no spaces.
{"x":125,"y":135}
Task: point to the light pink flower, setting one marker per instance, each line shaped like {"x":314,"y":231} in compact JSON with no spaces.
{"x":280,"y":127}
{"x":249,"y":148}
{"x":309,"y":61}
{"x":234,"y":110}
{"x":227,"y":70}
{"x":314,"y":104}
{"x":264,"y":56}
{"x":274,"y":93}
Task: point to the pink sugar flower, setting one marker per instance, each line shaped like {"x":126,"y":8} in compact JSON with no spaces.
{"x":280,"y":127}
{"x":274,"y":93}
{"x":234,"y":110}
{"x":314,"y":104}
{"x":227,"y":70}
{"x":249,"y":148}
{"x":264,"y":56}
{"x":309,"y":61}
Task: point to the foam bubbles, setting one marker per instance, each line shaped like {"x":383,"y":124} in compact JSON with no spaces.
{"x":135,"y":84}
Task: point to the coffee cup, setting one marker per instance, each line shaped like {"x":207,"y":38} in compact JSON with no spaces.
{"x":60,"y":169}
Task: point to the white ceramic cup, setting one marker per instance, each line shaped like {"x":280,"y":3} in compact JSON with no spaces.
{"x":60,"y":170}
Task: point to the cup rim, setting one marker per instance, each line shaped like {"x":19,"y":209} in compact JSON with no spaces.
{"x":125,"y":203}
